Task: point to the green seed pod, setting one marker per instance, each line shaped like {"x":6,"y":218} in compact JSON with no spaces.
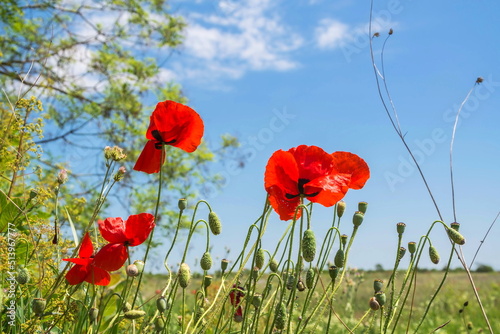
{"x":402,"y":252}
{"x":134,"y":314}
{"x":400,"y":227}
{"x":273,"y":265}
{"x":280,"y":319}
{"x":206,"y":261}
{"x":182,"y":204}
{"x":455,"y":236}
{"x":260,"y":258}
{"x":343,"y":240}
{"x":455,"y":226}
{"x":93,"y":313}
{"x":256,"y":300}
{"x":23,"y":275}
{"x":362,"y":206}
{"x":333,"y":271}
{"x":162,"y":304}
{"x":433,"y":254}
{"x":374,"y":305}
{"x":380,"y":297}
{"x":310,"y":278}
{"x":308,"y":245}
{"x":223,"y":265}
{"x":357,"y":219}
{"x":159,"y":324}
{"x":38,"y":306}
{"x":412,"y":247}
{"x":214,"y":223}
{"x":340,"y":208}
{"x":377,"y":285}
{"x":184,"y":275}
{"x":339,"y":258}
{"x":207,"y":281}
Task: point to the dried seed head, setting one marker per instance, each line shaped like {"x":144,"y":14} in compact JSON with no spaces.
{"x":206,"y":261}
{"x":184,"y":275}
{"x":412,"y":247}
{"x":308,"y":245}
{"x":374,"y":305}
{"x":340,"y":208}
{"x":357,"y":219}
{"x":339,"y":258}
{"x":479,"y":80}
{"x":134,"y":314}
{"x":391,"y":31}
{"x":214,"y":223}
{"x":260,"y":258}
{"x":362,"y":206}
{"x":433,"y":254}
{"x":400,"y":227}
{"x":455,"y":236}
{"x":38,"y":306}
{"x":377,"y":285}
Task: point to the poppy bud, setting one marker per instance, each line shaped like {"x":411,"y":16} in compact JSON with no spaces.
{"x":259,"y":258}
{"x":374,"y":305}
{"x":391,"y":31}
{"x":23,"y":275}
{"x":273,"y":265}
{"x":182,"y":204}
{"x":362,"y":206}
{"x":198,"y":314}
{"x":256,"y":300}
{"x":214,"y":223}
{"x":134,"y":314}
{"x":455,"y":236}
{"x":433,"y":254}
{"x":126,"y":307}
{"x":159,"y":324}
{"x":357,"y":219}
{"x":290,"y":282}
{"x":377,"y":285}
{"x":333,"y":271}
{"x":343,"y":240}
{"x":402,"y":252}
{"x":93,"y":313}
{"x":38,"y":306}
{"x":280,"y":317}
{"x":223,"y":265}
{"x":412,"y":247}
{"x":339,"y":258}
{"x":479,"y":80}
{"x":206,"y":261}
{"x":184,"y":275}
{"x":380,"y":297}
{"x":310,"y":278}
{"x":162,"y":304}
{"x":308,"y":245}
{"x":400,"y":227}
{"x":255,"y":272}
{"x":300,"y":285}
{"x":207,"y":281}
{"x":140,"y":265}
{"x":340,"y":208}
{"x":238,"y":317}
{"x":132,"y":270}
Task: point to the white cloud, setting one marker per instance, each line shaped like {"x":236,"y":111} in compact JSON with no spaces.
{"x":331,"y":34}
{"x":240,"y":36}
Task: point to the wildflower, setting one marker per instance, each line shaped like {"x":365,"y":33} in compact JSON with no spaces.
{"x":310,"y":172}
{"x":87,"y":267}
{"x":235,"y":296}
{"x":120,"y":234}
{"x":174,"y":124}
{"x":62,"y":176}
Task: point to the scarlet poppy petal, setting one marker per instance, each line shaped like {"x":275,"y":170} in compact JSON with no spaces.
{"x":330,"y":189}
{"x":151,"y":128}
{"x":179,"y":125}
{"x":86,"y":248}
{"x":98,"y":276}
{"x":150,"y":160}
{"x":349,"y":163}
{"x":138,"y":227}
{"x":283,"y":206}
{"x":77,"y":274}
{"x":313,"y":162}
{"x":83,"y":262}
{"x":113,"y":230}
{"x":282,"y":171}
{"x":111,"y":257}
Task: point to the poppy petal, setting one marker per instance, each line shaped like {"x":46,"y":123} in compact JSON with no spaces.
{"x":179,"y":125}
{"x":86,"y":248}
{"x":283,"y":206}
{"x":138,"y":227}
{"x":77,"y":274}
{"x":313,"y":162}
{"x":98,"y":276}
{"x":151,"y":159}
{"x":113,"y":230}
{"x":349,"y":163}
{"x":282,"y":171}
{"x":330,"y":189}
{"x":111,"y":257}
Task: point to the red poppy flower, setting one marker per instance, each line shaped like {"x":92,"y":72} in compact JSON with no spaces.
{"x":236,"y":295}
{"x":309,"y":172}
{"x":120,"y":234}
{"x":172,"y":124}
{"x":87,"y":267}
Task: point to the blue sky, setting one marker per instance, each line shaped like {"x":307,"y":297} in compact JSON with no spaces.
{"x":279,"y":74}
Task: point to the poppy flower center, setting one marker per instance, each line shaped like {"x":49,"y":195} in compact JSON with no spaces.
{"x":300,"y":186}
{"x":161,"y":142}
